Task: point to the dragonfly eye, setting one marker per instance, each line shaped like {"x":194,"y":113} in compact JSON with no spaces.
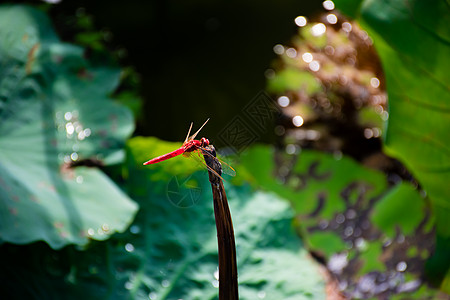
{"x":205,"y":142}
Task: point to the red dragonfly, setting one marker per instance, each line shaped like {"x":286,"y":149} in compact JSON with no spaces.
{"x":191,"y":145}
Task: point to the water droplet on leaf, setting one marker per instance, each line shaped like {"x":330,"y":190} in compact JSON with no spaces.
{"x":129,"y":247}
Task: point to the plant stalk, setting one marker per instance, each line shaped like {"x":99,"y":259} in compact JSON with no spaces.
{"x":228,"y":284}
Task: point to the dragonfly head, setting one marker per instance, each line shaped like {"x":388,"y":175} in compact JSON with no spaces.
{"x":204,"y":142}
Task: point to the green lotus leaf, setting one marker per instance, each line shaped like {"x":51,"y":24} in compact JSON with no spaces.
{"x":293,"y":79}
{"x":55,"y":114}
{"x":271,"y":259}
{"x":170,"y":250}
{"x":338,"y":181}
{"x":412,"y":39}
{"x":389,"y":213}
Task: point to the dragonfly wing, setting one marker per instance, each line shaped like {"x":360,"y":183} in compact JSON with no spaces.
{"x":187,"y":136}
{"x":195,"y":134}
{"x":226,"y":168}
{"x":199,"y":159}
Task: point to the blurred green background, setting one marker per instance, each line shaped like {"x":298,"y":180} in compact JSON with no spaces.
{"x":334,"y":115}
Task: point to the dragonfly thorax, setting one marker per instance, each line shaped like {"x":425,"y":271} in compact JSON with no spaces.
{"x":193,"y":145}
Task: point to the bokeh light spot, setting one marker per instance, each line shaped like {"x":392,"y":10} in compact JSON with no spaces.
{"x":300,"y":21}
